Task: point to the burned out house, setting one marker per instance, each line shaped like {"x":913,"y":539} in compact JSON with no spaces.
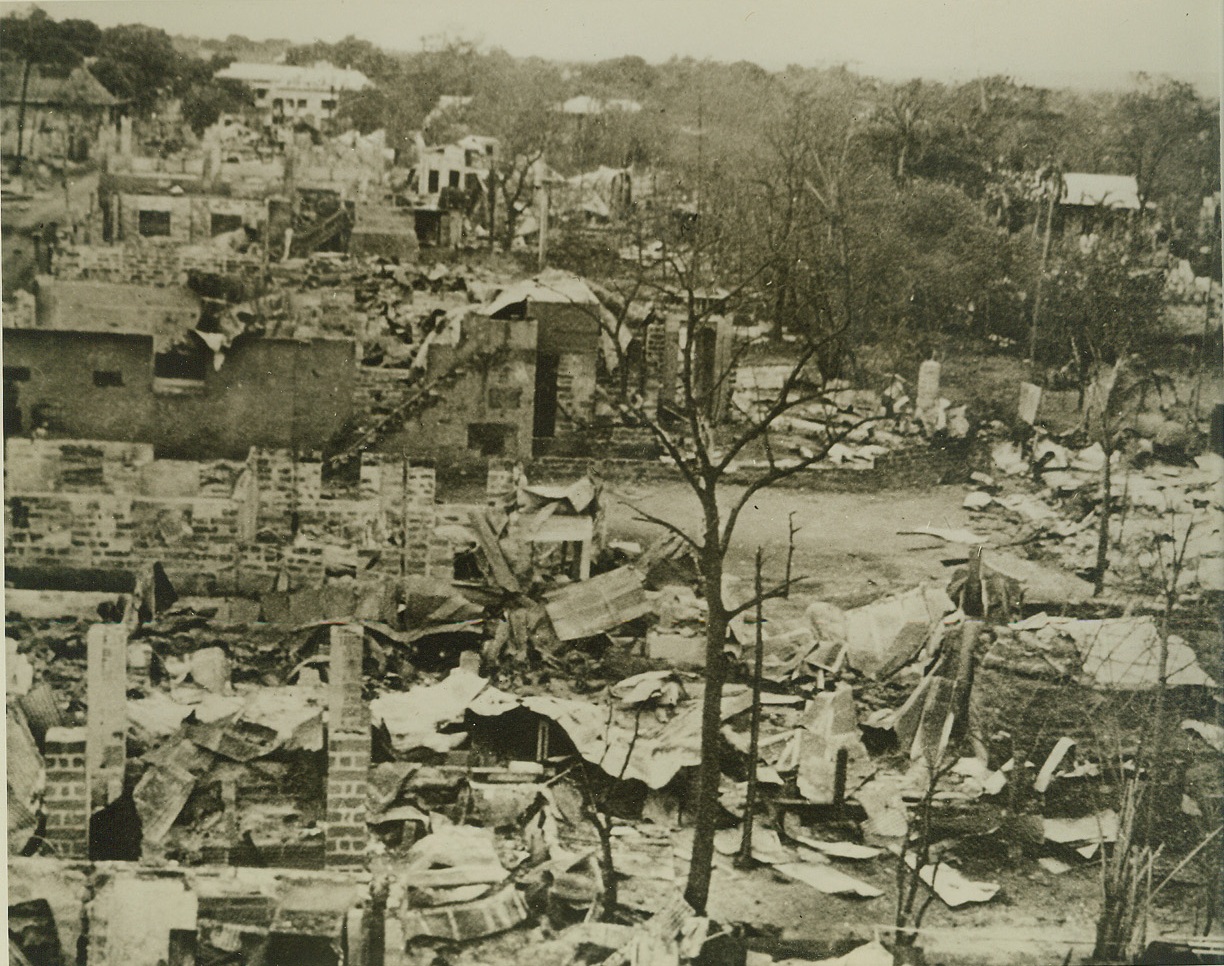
{"x":177,"y":208}
{"x":285,"y":93}
{"x":135,"y":363}
{"x":568,"y":320}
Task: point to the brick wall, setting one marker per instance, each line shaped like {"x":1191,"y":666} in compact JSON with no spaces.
{"x":148,"y":263}
{"x":348,"y":749}
{"x":662,"y":360}
{"x":469,"y":392}
{"x":218,"y":527}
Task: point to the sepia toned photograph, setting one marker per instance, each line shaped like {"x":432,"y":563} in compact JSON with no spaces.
{"x":613,"y":482}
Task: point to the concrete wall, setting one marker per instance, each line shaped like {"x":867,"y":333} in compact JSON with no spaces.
{"x":60,"y":387}
{"x":268,"y":392}
{"x":218,"y":527}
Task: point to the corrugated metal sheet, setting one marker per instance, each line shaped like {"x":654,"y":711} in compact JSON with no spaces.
{"x":597,"y":605}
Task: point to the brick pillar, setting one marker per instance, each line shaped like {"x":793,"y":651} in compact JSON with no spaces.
{"x":419,"y":517}
{"x":66,"y":801}
{"x":348,"y":750}
{"x":106,"y":723}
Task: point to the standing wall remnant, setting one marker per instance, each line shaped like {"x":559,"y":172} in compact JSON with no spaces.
{"x":348,"y":750}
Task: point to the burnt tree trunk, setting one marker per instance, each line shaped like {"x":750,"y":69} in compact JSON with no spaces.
{"x":708,"y":771}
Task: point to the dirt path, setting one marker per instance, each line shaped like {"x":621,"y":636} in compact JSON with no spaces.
{"x":848,"y":543}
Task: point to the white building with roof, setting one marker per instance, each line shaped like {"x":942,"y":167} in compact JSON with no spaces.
{"x":285,"y":94}
{"x":1113,"y":191}
{"x":463,"y":165}
{"x":1092,"y":203}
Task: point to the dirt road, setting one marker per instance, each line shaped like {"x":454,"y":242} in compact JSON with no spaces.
{"x":848,"y":544}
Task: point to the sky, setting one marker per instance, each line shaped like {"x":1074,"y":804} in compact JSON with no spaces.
{"x":1082,"y":43}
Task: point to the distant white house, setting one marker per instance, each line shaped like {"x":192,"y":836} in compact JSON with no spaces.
{"x":585,"y":105}
{"x":284,"y":93}
{"x":1113,"y":191}
{"x":464,"y":164}
{"x":1091,"y":203}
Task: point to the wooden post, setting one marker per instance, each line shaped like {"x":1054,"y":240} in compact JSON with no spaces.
{"x":584,"y":560}
{"x":790,"y":549}
{"x":404,"y":514}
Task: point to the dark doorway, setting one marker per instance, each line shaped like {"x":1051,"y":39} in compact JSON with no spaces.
{"x":187,"y":360}
{"x":544,"y":425}
{"x":219,"y":224}
{"x":115,"y":832}
{"x":291,"y":950}
{"x":490,"y":439}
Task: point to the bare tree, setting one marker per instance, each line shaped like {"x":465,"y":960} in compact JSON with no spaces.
{"x":707,"y":452}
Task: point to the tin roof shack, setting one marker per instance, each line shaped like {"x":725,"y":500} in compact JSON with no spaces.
{"x":596,"y":197}
{"x":568,"y":316}
{"x":64,"y":116}
{"x":1095,"y":202}
{"x":124,"y":362}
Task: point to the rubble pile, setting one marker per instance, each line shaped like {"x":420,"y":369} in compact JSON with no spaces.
{"x":856,"y":425}
{"x":531,"y":735}
{"x":1159,"y":510}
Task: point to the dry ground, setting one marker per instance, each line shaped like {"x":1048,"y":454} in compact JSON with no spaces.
{"x":848,"y":547}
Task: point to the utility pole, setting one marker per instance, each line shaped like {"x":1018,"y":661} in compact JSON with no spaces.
{"x":542,"y":213}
